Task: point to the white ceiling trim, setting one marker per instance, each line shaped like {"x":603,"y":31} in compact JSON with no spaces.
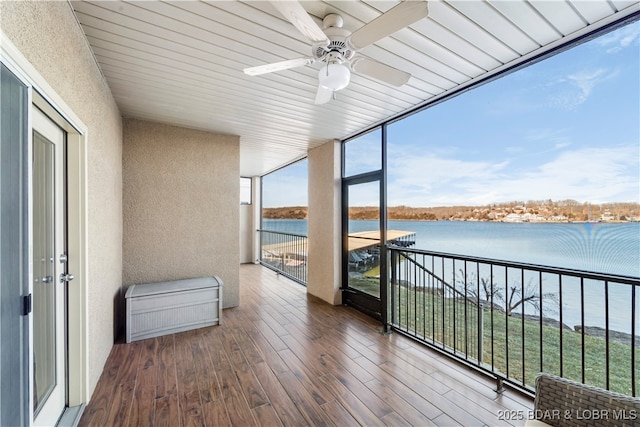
{"x":181,"y":62}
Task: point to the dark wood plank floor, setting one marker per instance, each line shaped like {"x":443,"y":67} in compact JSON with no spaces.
{"x":284,"y":358}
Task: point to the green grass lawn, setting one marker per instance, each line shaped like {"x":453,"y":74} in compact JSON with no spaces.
{"x":370,"y":285}
{"x":436,"y":318}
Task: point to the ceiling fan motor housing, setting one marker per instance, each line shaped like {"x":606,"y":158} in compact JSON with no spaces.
{"x":338,"y":49}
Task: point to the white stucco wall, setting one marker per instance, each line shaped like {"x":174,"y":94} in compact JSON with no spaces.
{"x":324,"y":220}
{"x":247,"y":231}
{"x":181,"y":208}
{"x":48,"y":35}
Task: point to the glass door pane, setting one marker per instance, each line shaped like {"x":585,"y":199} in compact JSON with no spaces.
{"x":363,"y":238}
{"x":44,"y":286}
{"x":48,"y":243}
{"x":13,"y":256}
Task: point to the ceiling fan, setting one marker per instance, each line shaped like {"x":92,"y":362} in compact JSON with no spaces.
{"x":337,"y":48}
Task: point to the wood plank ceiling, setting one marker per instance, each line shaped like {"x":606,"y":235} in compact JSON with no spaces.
{"x":181,"y":62}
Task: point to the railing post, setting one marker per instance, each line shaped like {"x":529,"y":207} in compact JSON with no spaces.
{"x":480,"y":331}
{"x":394,"y":276}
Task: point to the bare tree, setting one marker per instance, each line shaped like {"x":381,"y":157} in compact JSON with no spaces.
{"x":531,"y":296}
{"x":507,"y":298}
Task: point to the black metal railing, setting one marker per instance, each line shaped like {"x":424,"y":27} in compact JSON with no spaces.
{"x":512,"y":320}
{"x":286,"y":253}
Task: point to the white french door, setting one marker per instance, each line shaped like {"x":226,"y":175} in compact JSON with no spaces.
{"x":48,"y":270}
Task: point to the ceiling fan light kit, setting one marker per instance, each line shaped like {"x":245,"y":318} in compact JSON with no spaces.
{"x":334,"y":76}
{"x":336,"y":48}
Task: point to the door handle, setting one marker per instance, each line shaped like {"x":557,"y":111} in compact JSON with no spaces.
{"x":66,"y":277}
{"x":47,"y":279}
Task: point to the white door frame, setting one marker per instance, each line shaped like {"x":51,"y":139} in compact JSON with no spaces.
{"x":48,"y":262}
{"x":41,"y":94}
{"x":77,"y":318}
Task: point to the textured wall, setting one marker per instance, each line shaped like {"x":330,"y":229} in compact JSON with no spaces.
{"x":325,"y":231}
{"x":247,"y":233}
{"x":181,"y":208}
{"x":48,"y":35}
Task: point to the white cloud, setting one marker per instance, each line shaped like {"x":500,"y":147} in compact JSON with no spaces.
{"x":363,"y":161}
{"x":431,"y":179}
{"x":585,"y":81}
{"x":576,"y":88}
{"x":620,"y":39}
{"x":589,"y":174}
{"x":560,"y":145}
{"x":559,"y":137}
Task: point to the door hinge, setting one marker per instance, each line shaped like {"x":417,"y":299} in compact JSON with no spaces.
{"x":26,"y":305}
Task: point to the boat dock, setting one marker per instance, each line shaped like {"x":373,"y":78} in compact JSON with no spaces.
{"x":295,"y":252}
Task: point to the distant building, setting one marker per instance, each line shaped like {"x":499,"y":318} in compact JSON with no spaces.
{"x":607,"y":216}
{"x":513,"y":217}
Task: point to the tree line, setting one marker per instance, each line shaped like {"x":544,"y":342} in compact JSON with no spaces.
{"x":562,"y":210}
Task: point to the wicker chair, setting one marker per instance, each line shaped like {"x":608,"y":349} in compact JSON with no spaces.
{"x":562,"y":402}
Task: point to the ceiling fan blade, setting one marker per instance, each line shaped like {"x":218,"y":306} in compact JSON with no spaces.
{"x":298,"y":16}
{"x":278,"y":66}
{"x":396,"y":18}
{"x":323,"y":95}
{"x":380,"y":71}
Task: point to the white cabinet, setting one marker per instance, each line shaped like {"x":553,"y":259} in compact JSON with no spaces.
{"x":162,"y":308}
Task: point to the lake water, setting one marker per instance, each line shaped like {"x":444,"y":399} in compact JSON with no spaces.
{"x":596,"y":247}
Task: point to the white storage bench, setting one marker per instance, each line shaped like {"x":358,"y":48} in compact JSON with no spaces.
{"x":162,"y":308}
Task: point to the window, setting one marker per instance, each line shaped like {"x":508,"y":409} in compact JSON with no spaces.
{"x":245,"y":191}
{"x":363,"y":154}
{"x":283,"y":223}
{"x":557,"y":141}
{"x":285,"y":199}
{"x":555,"y":145}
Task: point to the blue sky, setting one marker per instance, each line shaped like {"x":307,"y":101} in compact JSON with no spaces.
{"x":565,"y":128}
{"x":286,"y":187}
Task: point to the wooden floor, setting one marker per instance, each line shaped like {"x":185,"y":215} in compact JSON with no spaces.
{"x":283,"y":358}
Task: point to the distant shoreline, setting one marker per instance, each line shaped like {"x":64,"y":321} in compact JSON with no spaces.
{"x":465,"y":220}
{"x":546,"y":212}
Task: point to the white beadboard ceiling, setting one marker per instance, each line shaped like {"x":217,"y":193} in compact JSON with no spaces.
{"x":181,"y":62}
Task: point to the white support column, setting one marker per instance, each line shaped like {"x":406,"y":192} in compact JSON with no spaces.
{"x":324,"y":219}
{"x":256,"y":188}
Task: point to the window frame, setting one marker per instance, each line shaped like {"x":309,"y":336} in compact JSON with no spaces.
{"x":250,"y":201}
